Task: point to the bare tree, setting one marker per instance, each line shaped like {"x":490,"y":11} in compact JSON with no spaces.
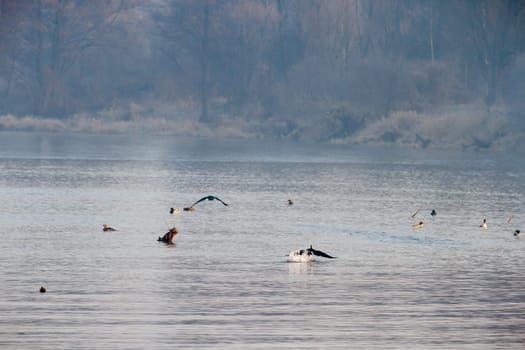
{"x":495,"y":30}
{"x":51,"y":36}
{"x":186,"y":29}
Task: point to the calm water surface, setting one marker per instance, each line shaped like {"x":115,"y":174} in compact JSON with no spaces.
{"x":226,"y":284}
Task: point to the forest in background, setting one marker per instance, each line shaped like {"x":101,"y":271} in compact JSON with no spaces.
{"x":418,"y":73}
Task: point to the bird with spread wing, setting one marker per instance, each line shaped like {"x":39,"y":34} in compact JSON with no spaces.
{"x":207,"y":198}
{"x":307,"y":255}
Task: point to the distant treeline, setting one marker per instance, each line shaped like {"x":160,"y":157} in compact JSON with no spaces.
{"x":444,"y":73}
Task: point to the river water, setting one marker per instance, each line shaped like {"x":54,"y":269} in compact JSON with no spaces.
{"x":225,"y":283}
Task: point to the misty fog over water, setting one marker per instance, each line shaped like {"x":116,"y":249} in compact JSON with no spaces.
{"x":420,"y":74}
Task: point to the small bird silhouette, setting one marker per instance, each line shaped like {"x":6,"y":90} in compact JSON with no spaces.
{"x":433,"y":212}
{"x":209,"y":198}
{"x":174,"y":210}
{"x":290,"y":202}
{"x":107,"y":228}
{"x":318,"y":253}
{"x":42,"y":289}
{"x":517,"y":233}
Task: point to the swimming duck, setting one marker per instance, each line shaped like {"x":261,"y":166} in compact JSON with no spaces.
{"x":306,"y":255}
{"x":107,"y":228}
{"x":484,"y":224}
{"x":419,"y":224}
{"x":168,"y":236}
{"x":517,"y":233}
{"x":42,"y":289}
{"x":433,"y":212}
{"x":174,"y":210}
{"x":290,"y":202}
{"x":208,"y":198}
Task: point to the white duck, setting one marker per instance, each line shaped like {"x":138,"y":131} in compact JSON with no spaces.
{"x":484,"y":224}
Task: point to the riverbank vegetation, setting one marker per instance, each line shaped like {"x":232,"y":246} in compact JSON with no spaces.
{"x":418,"y":73}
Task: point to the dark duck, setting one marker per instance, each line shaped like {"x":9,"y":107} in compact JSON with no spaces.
{"x":307,"y":255}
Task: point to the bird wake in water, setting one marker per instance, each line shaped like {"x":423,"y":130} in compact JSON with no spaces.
{"x":307,"y":255}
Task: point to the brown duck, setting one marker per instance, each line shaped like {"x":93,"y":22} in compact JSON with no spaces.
{"x":168,"y":236}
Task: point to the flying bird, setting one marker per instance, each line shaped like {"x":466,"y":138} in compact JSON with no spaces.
{"x":207,"y":198}
{"x":307,"y":255}
{"x":107,"y":228}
